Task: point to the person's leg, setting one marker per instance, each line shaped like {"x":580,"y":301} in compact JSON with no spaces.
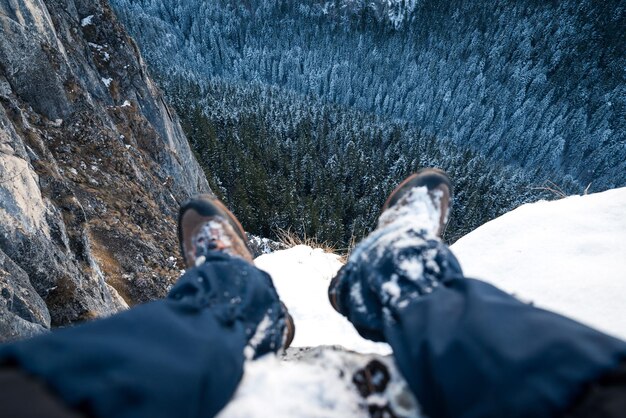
{"x":466,"y":348}
{"x":178,"y":357}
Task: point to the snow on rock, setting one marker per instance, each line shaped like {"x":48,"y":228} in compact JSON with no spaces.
{"x":301,"y":276}
{"x":568,"y":256}
{"x":87,"y":21}
{"x":259,"y":246}
{"x":296,"y":390}
{"x":314,"y":383}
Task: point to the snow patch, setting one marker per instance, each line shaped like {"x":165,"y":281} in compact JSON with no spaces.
{"x":279,"y":389}
{"x":87,"y":21}
{"x":392,"y":289}
{"x":302,"y":275}
{"x":568,"y":256}
{"x":315,"y":383}
{"x":356,"y":297}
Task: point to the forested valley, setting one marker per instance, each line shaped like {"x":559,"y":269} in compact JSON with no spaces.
{"x":304,"y":115}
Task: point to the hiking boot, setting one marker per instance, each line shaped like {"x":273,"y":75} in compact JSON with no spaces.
{"x":205,"y":224}
{"x":422,"y":200}
{"x":439,"y":189}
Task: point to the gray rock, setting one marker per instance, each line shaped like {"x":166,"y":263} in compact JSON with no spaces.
{"x":93,"y":166}
{"x":384,"y":390}
{"x":22,"y":311}
{"x":259,"y":246}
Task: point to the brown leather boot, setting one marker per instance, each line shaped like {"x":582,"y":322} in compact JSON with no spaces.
{"x":399,"y":204}
{"x":205,"y":224}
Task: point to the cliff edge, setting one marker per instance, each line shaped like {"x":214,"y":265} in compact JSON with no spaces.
{"x":93,"y":166}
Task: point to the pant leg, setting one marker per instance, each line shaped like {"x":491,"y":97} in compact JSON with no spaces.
{"x":603,"y":398}
{"x":466,"y":348}
{"x":470,"y":350}
{"x":178,"y":357}
{"x":23,"y":396}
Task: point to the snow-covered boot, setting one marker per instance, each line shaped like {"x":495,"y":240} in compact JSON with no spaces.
{"x":403,"y":258}
{"x":204,"y":225}
{"x":439,"y":189}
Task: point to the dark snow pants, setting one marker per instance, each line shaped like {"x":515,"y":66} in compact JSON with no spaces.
{"x":468,"y":349}
{"x":465,"y":348}
{"x":178,"y":357}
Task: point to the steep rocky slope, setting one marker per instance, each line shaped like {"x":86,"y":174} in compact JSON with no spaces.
{"x":93,"y":165}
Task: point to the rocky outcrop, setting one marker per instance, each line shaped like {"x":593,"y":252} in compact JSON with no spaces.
{"x":259,"y":245}
{"x":93,"y":166}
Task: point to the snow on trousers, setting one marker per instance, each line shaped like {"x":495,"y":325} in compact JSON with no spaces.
{"x":466,"y":348}
{"x":177,"y":357}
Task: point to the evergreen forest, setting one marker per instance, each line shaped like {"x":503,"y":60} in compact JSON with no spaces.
{"x":305,"y":115}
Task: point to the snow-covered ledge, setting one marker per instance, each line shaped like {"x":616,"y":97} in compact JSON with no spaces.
{"x":567,"y":256}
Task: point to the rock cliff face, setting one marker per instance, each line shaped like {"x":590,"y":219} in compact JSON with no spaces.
{"x":93,"y":166}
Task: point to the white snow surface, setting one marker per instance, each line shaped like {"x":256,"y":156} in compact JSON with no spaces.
{"x":296,"y":389}
{"x":301,"y":276}
{"x":568,"y":256}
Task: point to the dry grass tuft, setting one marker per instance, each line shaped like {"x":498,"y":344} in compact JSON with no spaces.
{"x":292,"y":239}
{"x":553,"y":188}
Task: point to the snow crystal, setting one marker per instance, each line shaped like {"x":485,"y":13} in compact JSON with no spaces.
{"x":87,"y":21}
